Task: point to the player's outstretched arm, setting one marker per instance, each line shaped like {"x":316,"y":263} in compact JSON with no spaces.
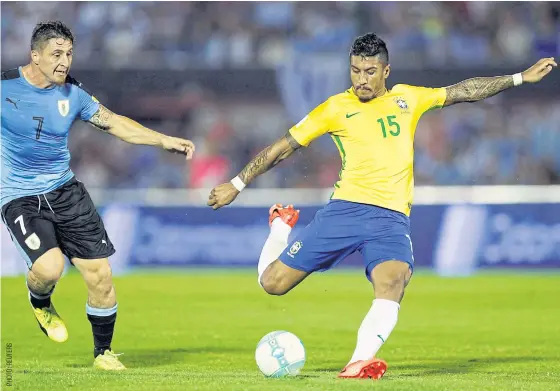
{"x":225,"y":193}
{"x":134,"y":133}
{"x":479,"y":88}
{"x":268,"y":158}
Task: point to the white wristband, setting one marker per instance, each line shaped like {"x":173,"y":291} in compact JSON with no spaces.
{"x":238,"y":183}
{"x":517,"y":79}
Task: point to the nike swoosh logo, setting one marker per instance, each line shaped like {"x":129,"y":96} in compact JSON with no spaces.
{"x":348,"y":115}
{"x":381,"y":338}
{"x":12,"y":102}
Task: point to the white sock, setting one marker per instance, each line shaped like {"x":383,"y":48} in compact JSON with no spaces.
{"x":375,"y":329}
{"x":277,"y":241}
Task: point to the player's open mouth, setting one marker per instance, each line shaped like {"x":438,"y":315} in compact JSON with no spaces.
{"x":60,"y":73}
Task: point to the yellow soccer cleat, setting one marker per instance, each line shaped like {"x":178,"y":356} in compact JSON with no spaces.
{"x":50,"y":323}
{"x":108,"y":361}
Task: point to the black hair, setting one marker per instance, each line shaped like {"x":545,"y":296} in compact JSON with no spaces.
{"x":370,"y":45}
{"x":44,"y":31}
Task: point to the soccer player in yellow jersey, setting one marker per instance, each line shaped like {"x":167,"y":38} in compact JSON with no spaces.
{"x":373,"y":128}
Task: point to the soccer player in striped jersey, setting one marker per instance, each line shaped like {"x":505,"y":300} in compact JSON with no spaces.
{"x":48,"y":212}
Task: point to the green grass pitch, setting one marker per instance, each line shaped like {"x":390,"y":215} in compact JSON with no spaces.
{"x":198,"y":331}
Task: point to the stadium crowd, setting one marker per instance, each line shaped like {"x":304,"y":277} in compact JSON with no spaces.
{"x":183,"y":34}
{"x":494,"y":142}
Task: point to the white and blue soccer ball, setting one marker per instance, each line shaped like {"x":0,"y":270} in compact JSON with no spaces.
{"x":279,"y":354}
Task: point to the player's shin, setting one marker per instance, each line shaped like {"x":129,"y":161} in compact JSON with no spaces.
{"x":276,"y":242}
{"x":376,"y":327}
{"x":103,"y":325}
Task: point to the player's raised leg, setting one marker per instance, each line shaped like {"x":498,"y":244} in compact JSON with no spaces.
{"x":41,"y":281}
{"x":35,"y":238}
{"x":274,"y":276}
{"x":101,"y":309}
{"x":318,"y":247}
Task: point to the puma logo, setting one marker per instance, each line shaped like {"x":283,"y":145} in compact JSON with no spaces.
{"x":13,"y":102}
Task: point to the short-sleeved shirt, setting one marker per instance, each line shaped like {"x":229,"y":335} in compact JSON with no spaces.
{"x":35,"y":128}
{"x":375,"y":140}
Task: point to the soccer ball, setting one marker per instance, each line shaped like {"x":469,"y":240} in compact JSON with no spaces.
{"x":279,"y":354}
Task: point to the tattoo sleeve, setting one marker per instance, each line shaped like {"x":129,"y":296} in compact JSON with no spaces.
{"x":102,"y":119}
{"x":269,"y":157}
{"x":478,"y":88}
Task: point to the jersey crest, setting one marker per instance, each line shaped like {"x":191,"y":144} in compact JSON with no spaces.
{"x":64,"y":107}
{"x":402,"y":104}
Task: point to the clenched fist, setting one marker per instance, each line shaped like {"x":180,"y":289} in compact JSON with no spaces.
{"x":222,"y":195}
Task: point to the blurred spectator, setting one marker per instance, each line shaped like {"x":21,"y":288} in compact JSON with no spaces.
{"x":495,"y":142}
{"x":210,"y":167}
{"x":221,"y":34}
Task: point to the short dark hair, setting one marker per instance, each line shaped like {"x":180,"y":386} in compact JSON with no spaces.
{"x":370,"y":45}
{"x":44,"y":31}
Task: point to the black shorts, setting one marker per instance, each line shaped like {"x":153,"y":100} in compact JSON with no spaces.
{"x":64,"y":218}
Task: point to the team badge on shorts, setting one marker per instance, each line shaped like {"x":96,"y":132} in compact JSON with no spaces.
{"x":64,"y":107}
{"x":295,"y":248}
{"x":33,"y":241}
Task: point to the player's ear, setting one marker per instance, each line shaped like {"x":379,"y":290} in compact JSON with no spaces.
{"x":35,"y":57}
{"x":387,"y":71}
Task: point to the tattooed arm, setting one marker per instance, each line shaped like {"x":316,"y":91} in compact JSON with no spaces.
{"x":269,"y":157}
{"x":124,"y":128}
{"x":134,"y":133}
{"x":478,"y":88}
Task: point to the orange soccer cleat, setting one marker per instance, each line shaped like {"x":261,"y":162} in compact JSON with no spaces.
{"x":364,"y":369}
{"x":288,"y":214}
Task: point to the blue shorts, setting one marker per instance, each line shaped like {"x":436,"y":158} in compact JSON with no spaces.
{"x":343,"y":227}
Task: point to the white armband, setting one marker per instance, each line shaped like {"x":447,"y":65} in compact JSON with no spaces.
{"x":517,"y":79}
{"x":238,"y":183}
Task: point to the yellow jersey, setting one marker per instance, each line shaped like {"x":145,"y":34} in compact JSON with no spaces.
{"x":375,"y":140}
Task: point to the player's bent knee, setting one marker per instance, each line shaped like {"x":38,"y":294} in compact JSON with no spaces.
{"x":273,"y":285}
{"x":47,"y":276}
{"x":48,"y":268}
{"x":274,"y":290}
{"x":278,"y":278}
